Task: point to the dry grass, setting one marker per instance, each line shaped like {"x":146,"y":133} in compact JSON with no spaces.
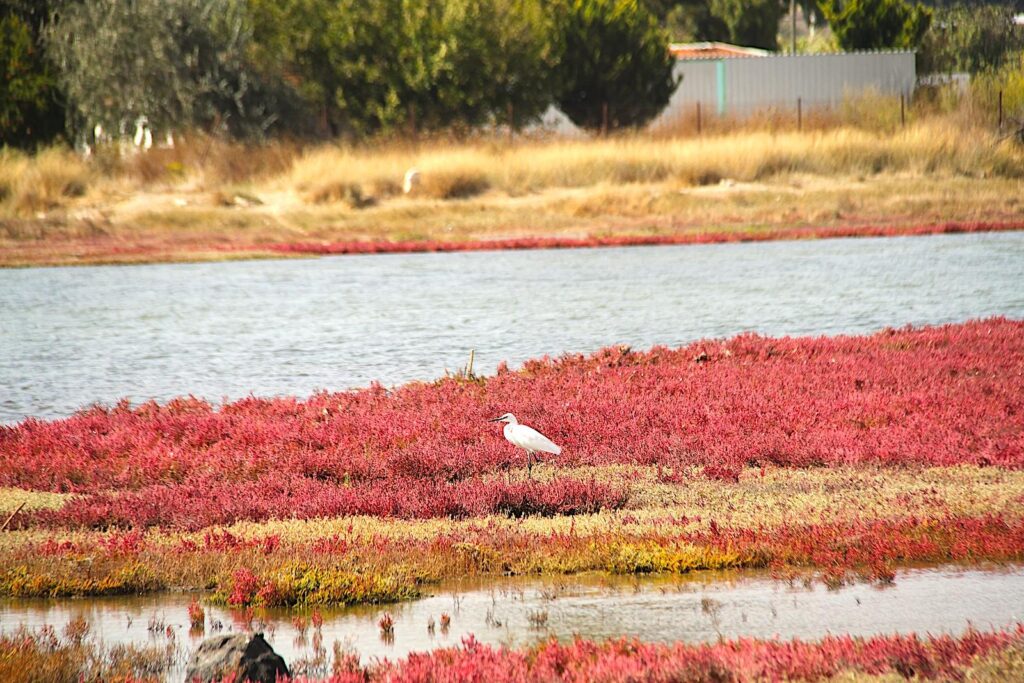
{"x":926,"y":149}
{"x":204,"y":198}
{"x":40,"y":183}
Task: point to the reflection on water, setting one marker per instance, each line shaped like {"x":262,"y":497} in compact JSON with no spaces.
{"x":700,"y":607}
{"x":73,"y":336}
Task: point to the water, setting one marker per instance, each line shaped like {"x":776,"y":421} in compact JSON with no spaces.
{"x":70,"y":337}
{"x":698,"y":608}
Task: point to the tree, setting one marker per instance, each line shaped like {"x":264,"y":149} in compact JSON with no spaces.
{"x":688,"y":20}
{"x":970,"y":38}
{"x":179,"y":63}
{"x":31,"y":109}
{"x":876,"y":24}
{"x":369,"y":67}
{"x":754,"y":23}
{"x":614,"y":56}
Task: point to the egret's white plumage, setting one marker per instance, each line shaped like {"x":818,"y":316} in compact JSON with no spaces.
{"x":527,"y":438}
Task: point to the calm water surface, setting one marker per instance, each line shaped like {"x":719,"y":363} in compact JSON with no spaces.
{"x":70,"y":337}
{"x":699,"y":608}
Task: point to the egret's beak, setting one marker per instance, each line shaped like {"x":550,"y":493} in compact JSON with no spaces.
{"x":496,"y":419}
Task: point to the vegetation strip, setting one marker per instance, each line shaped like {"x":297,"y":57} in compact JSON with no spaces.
{"x":980,"y":656}
{"x":710,"y":236}
{"x":843,"y":456}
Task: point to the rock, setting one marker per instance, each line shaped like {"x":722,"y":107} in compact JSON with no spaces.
{"x":246,"y":200}
{"x":249,"y":658}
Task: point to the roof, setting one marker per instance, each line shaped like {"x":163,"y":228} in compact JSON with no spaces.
{"x":711,"y":50}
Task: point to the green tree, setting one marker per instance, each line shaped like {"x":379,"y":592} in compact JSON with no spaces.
{"x":31,"y":109}
{"x":876,"y":24}
{"x":367,"y":67}
{"x":688,"y":20}
{"x":614,"y":55}
{"x":970,"y":38}
{"x":754,"y":23}
{"x":179,"y":63}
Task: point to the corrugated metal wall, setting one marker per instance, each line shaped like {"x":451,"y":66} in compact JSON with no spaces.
{"x":743,"y":85}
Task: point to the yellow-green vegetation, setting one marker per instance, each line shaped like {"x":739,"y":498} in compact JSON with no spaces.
{"x":676,"y":522}
{"x":86,"y":577}
{"x":14,"y":499}
{"x":300,"y":583}
{"x":32,"y":657}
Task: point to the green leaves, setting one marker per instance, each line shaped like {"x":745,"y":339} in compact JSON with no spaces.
{"x":971,"y":38}
{"x":339,"y":67}
{"x":615,"y":67}
{"x":29,"y":110}
{"x":876,"y":24}
{"x":750,"y":22}
{"x":179,"y":63}
{"x":428,"y":64}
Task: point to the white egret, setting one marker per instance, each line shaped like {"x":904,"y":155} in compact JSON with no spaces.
{"x":527,"y":438}
{"x":411,"y":181}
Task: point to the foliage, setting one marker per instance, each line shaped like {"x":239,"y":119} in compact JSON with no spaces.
{"x":971,"y":38}
{"x":29,"y":109}
{"x":413,"y":64}
{"x":836,"y":521}
{"x":179,"y":63}
{"x":688,"y":20}
{"x":614,"y":56}
{"x":931,"y":396}
{"x":938,"y":657}
{"x":302,"y":584}
{"x":40,"y":655}
{"x":1008,"y":80}
{"x":751,"y":22}
{"x":123,"y":578}
{"x":876,"y":24}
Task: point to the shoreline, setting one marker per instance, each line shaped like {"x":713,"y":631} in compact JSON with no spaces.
{"x":116,"y":253}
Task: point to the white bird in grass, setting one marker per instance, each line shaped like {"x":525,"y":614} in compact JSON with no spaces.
{"x":527,"y":438}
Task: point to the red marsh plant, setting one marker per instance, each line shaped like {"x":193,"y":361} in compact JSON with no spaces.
{"x":302,"y":584}
{"x":196,"y":616}
{"x":937,"y":396}
{"x":708,"y":237}
{"x":745,"y":660}
{"x":973,"y":655}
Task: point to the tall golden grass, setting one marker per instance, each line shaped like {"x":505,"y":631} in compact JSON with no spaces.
{"x":41,"y":182}
{"x":950,"y":144}
{"x":455,"y":171}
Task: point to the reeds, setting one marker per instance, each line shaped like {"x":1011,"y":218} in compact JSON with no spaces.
{"x":474,"y":168}
{"x":42,"y":182}
{"x":997,"y":655}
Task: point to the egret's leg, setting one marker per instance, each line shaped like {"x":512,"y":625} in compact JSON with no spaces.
{"x":529,"y":465}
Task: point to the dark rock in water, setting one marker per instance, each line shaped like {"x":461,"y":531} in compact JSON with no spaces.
{"x":249,"y":658}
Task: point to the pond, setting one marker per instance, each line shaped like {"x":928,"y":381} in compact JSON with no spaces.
{"x":70,"y":337}
{"x":700,"y":607}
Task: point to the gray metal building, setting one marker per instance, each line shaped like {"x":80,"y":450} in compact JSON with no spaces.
{"x":738,"y":86}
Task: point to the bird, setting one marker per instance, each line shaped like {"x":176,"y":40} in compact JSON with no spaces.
{"x":527,"y":438}
{"x":411,"y":181}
